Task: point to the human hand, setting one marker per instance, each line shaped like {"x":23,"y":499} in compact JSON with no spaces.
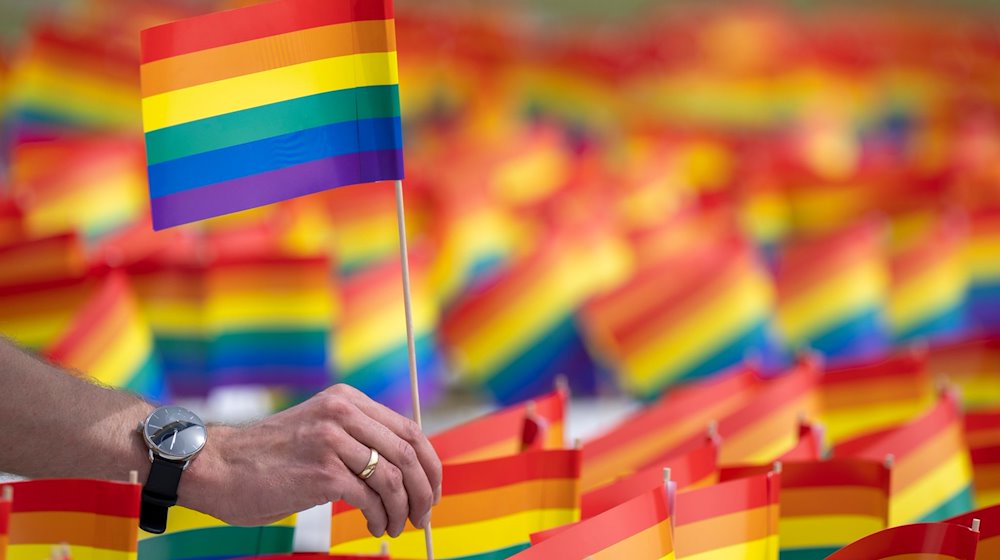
{"x":311,"y":454}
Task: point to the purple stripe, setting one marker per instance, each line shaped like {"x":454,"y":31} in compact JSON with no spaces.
{"x":274,"y":186}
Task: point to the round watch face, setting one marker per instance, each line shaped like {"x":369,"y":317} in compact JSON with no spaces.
{"x":174,"y":432}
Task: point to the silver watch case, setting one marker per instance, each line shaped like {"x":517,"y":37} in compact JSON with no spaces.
{"x":173,"y":433}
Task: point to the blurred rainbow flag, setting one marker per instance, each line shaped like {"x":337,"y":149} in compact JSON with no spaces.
{"x":971,"y":364}
{"x":192,"y":535}
{"x":982,"y":435}
{"x":35,"y":314}
{"x":983,"y":261}
{"x":110,"y":341}
{"x":41,"y":260}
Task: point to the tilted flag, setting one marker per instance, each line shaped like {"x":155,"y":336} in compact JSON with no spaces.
{"x":931,"y":473}
{"x":503,"y":432}
{"x":487,"y":510}
{"x":97,"y":519}
{"x":989,"y":531}
{"x":638,"y":528}
{"x":826,"y":504}
{"x":247,"y":107}
{"x":982,"y":435}
{"x":192,"y":535}
{"x":971,"y":364}
{"x":931,"y":541}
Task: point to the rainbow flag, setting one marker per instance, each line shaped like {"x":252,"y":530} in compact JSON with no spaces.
{"x":831,"y":291}
{"x":37,"y":261}
{"x":251,"y":106}
{"x":638,"y":528}
{"x":268,"y":319}
{"x":369,"y":342}
{"x":931,"y":470}
{"x":865,"y":397}
{"x":736,"y":519}
{"x":983,"y":262}
{"x":363,"y":224}
{"x":658,"y":430}
{"x":97,"y":519}
{"x":34,"y":314}
{"x":192,"y":535}
{"x":930,"y":541}
{"x":971,"y":364}
{"x":826,"y":504}
{"x":504,"y":432}
{"x":487,"y":510}
{"x":982,"y":435}
{"x":693,"y":469}
{"x":110,"y":341}
{"x":685,"y":317}
{"x":989,"y":531}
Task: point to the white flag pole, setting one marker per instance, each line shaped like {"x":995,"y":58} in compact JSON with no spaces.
{"x":404,"y":260}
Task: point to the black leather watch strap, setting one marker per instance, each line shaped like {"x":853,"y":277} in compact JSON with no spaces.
{"x":159,"y":493}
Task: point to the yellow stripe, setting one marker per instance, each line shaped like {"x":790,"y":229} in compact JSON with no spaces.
{"x":43,"y":551}
{"x":36,"y":332}
{"x":760,"y":549}
{"x":184,"y":519}
{"x":839,"y":297}
{"x":841,"y":425}
{"x":174,"y":316}
{"x":240,"y":313}
{"x":263,"y":88}
{"x":920,"y":498}
{"x":645,"y":543}
{"x":981,"y":257}
{"x":826,"y":530}
{"x":691,"y":338}
{"x":932,"y":291}
{"x":37,"y":83}
{"x":378,"y":331}
{"x":987,"y":498}
{"x":124,"y":357}
{"x":462,"y":540}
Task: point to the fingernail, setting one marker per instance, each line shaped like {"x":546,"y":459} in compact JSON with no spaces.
{"x":425,"y":521}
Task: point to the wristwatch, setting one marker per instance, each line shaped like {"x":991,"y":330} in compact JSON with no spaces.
{"x":174,"y":435}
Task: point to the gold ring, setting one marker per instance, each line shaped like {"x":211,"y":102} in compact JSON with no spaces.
{"x":369,"y":469}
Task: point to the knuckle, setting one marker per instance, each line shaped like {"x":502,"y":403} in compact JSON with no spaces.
{"x":337,"y":408}
{"x":406,"y":453}
{"x":410,"y":431}
{"x":394,"y":479}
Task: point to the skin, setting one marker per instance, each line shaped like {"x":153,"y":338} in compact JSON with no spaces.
{"x":57,"y":424}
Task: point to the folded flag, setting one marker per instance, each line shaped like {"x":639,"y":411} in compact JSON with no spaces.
{"x":989,"y":531}
{"x":826,"y":505}
{"x":638,"y":528}
{"x":982,"y":435}
{"x":679,"y":417}
{"x":110,"y":341}
{"x":192,"y":535}
{"x":504,"y":432}
{"x":735,"y":519}
{"x":487,"y":510}
{"x":97,"y":519}
{"x":931,"y":470}
{"x":933,"y":541}
{"x":865,"y":397}
{"x":693,"y":469}
{"x":971,"y":364}
{"x":251,"y":106}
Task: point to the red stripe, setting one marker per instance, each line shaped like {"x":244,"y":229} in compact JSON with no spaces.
{"x":988,"y":516}
{"x":810,"y":474}
{"x":77,"y":494}
{"x":4,"y":517}
{"x":255,"y":22}
{"x":985,"y":455}
{"x":114,"y":293}
{"x":720,"y":499}
{"x":977,"y":421}
{"x":492,"y":473}
{"x":908,"y":365}
{"x":930,"y":538}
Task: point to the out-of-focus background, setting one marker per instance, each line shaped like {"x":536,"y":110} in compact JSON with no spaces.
{"x":626,"y":194}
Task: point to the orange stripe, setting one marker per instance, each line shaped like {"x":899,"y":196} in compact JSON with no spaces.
{"x":986,"y":476}
{"x":834,"y":500}
{"x":779,"y":425}
{"x":461,"y":509}
{"x":268,"y":53}
{"x":864,"y":394}
{"x":725,"y":530}
{"x":983,"y":438}
{"x":651,"y":542}
{"x":928,"y":456}
{"x":76,"y":528}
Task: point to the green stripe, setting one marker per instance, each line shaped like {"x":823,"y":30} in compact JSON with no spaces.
{"x":258,"y":123}
{"x":812,"y":553}
{"x":493,"y":555}
{"x":148,"y":379}
{"x":218,"y":542}
{"x":961,"y":502}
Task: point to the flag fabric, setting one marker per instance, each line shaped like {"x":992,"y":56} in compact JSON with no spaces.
{"x":826,"y":505}
{"x":736,"y":519}
{"x":931,"y":472}
{"x":193,"y":535}
{"x":930,"y":541}
{"x":34,"y":314}
{"x":970,"y":363}
{"x":693,"y":469}
{"x":680,"y":416}
{"x":40,"y":260}
{"x":989,"y":530}
{"x":982,"y":258}
{"x":110,"y":341}
{"x":811,"y":445}
{"x":638,"y":528}
{"x":97,"y":519}
{"x":503,"y":432}
{"x":247,"y":107}
{"x":982,"y":435}
{"x":4,"y":523}
{"x":487,"y":510}
{"x":865,"y":397}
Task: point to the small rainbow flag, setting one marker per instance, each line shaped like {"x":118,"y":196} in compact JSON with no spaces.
{"x":192,"y":535}
{"x":826,"y":504}
{"x":982,"y":435}
{"x":930,"y":541}
{"x":110,"y":340}
{"x":487,"y":510}
{"x":736,"y":519}
{"x":247,"y":107}
{"x":931,"y":472}
{"x":503,"y":432}
{"x":638,"y":528}
{"x":97,"y":519}
{"x":989,"y":532}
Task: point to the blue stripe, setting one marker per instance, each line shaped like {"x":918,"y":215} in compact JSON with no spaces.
{"x":861,"y":336}
{"x":950,"y":321}
{"x":274,"y":153}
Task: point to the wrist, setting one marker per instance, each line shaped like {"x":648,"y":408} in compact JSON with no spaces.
{"x":205,"y":481}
